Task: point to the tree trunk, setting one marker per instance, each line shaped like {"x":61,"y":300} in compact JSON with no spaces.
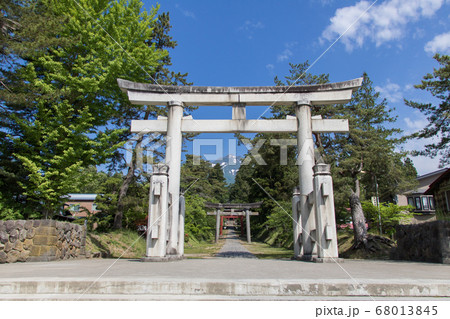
{"x":122,"y":193}
{"x":359,"y":221}
{"x":127,"y":181}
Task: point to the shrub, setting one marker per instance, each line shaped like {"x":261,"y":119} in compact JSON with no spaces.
{"x":390,"y":215}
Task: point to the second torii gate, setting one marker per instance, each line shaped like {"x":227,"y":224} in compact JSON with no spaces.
{"x":222,"y":210}
{"x":302,"y":97}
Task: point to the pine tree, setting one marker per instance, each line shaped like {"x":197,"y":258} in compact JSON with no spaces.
{"x":438,"y":84}
{"x":366,"y":152}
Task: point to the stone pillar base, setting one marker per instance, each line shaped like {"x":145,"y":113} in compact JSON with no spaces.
{"x":162,"y":259}
{"x":306,"y":257}
{"x":327,"y":260}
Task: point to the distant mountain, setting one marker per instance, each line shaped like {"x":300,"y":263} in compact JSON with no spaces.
{"x":230,"y":166}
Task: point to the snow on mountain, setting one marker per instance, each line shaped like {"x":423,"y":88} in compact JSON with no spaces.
{"x":230,"y":166}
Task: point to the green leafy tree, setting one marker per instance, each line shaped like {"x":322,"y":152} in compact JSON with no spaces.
{"x":277,"y":229}
{"x":198,"y":226}
{"x":161,"y":40}
{"x":438,"y":85}
{"x":390,"y":215}
{"x":89,"y":180}
{"x":27,"y":29}
{"x":202,"y":182}
{"x":75,"y":98}
{"x":135,"y":205}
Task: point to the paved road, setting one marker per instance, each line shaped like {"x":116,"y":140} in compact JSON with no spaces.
{"x":221,"y":278}
{"x":241,"y":277}
{"x":233,"y":247}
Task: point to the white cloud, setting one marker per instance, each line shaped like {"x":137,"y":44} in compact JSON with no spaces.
{"x":323,"y":2}
{"x":270,"y":67}
{"x":439,"y":44}
{"x":381,"y":23}
{"x":285,"y":55}
{"x":250,"y":27}
{"x":415,"y":122}
{"x":390,"y":91}
{"x":415,"y":125}
{"x":185,"y":12}
{"x":423,"y":164}
{"x":419,"y":33}
{"x":287,"y":52}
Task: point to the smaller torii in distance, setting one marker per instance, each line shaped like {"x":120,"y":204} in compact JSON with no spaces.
{"x":233,"y":210}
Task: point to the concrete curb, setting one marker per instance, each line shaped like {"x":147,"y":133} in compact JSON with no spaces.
{"x":145,"y":289}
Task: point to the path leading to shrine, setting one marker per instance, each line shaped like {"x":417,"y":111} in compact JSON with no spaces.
{"x":233,"y":247}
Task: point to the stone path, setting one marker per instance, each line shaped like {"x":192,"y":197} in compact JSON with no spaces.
{"x":233,"y":247}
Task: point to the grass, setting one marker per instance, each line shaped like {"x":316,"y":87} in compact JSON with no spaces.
{"x":345,"y":243}
{"x":265,"y":251}
{"x":128,"y":244}
{"x":115,"y":244}
{"x":202,"y":249}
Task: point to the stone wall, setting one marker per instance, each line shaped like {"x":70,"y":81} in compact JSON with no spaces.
{"x":40,"y":240}
{"x":428,"y":242}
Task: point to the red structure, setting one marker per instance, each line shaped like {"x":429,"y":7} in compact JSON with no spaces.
{"x":233,"y":211}
{"x":241,"y":218}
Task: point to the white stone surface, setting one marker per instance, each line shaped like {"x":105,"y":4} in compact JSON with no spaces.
{"x":219,"y":99}
{"x":158,"y":215}
{"x":240,"y":126}
{"x":306,"y":163}
{"x":297,"y":228}
{"x":327,"y":246}
{"x":173,"y":160}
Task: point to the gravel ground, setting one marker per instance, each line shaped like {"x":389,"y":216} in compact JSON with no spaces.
{"x":233,"y":247}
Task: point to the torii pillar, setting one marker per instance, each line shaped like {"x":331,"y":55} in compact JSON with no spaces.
{"x":174,"y":141}
{"x":306,"y":176}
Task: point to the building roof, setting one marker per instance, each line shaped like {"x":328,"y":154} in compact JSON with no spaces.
{"x":444,"y":175}
{"x":426,"y":180}
{"x":81,"y":197}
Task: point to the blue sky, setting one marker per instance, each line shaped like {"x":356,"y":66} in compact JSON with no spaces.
{"x":248,"y":43}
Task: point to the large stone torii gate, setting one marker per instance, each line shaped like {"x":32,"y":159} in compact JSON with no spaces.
{"x":313,"y":204}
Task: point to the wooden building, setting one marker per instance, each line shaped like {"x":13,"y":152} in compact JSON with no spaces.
{"x":80,"y":205}
{"x":440,"y":190}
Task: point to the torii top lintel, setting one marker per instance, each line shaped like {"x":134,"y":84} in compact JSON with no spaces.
{"x":154,"y":94}
{"x":237,"y":206}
